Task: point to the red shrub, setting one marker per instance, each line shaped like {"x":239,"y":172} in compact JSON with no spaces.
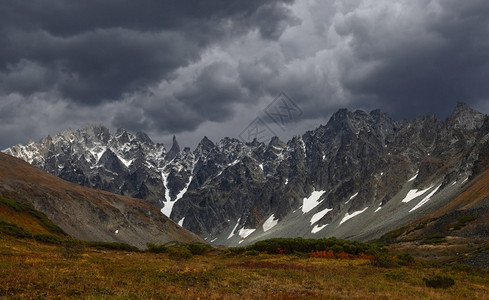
{"x":342,"y":255}
{"x":281,"y":251}
{"x":323,"y":254}
{"x":365,"y":256}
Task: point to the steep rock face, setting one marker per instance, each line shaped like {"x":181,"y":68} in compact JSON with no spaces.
{"x":357,"y":163}
{"x":355,"y":177}
{"x":86,"y":213}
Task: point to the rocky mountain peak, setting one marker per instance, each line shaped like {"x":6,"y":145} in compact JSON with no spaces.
{"x":110,"y":160}
{"x":206,"y":143}
{"x":47,"y":141}
{"x":255,"y":143}
{"x":174,"y":150}
{"x":465,"y":118}
{"x":276,"y":142}
{"x":122,"y":136}
{"x":96,"y":132}
{"x":67,"y":134}
{"x":144,"y":138}
{"x":204,"y":147}
{"x":340,"y":116}
{"x":378,"y":116}
{"x":344,"y":119}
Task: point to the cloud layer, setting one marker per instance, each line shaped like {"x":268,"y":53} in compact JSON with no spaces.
{"x":209,"y":68}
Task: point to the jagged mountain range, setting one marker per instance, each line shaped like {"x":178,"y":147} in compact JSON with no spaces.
{"x":359,"y":176}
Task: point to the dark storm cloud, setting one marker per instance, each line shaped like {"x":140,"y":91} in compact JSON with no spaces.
{"x":65,"y":63}
{"x":93,"y":51}
{"x":272,"y":20}
{"x":424,"y":71}
{"x":209,"y":96}
{"x":198,"y":68}
{"x":99,"y":65}
{"x":68,"y":18}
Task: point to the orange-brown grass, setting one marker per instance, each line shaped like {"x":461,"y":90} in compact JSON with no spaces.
{"x":23,"y":219}
{"x":341,"y":255}
{"x":29,"y":269}
{"x":474,"y":191}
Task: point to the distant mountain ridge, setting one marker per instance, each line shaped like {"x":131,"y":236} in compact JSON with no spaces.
{"x":357,"y":177}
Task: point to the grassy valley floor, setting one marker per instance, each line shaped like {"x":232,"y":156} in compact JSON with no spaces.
{"x":29,"y":269}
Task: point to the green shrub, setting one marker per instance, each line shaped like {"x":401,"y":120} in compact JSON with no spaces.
{"x":462,"y":222}
{"x":235,"y":250}
{"x":301,"y":245}
{"x":383,"y":260}
{"x":71,"y":247}
{"x":112,"y":246}
{"x":11,"y":203}
{"x":482,"y":249}
{"x":337,"y":248}
{"x":14,"y":230}
{"x":396,"y":274}
{"x":156,"y":248}
{"x":48,"y":238}
{"x":405,"y":259}
{"x":252,"y":253}
{"x":391,"y":236}
{"x":439,"y":281}
{"x":197,"y":248}
{"x":179,"y":253}
{"x":434,"y":239}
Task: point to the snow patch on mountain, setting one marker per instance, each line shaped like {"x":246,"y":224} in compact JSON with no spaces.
{"x":353,"y":214}
{"x":184,"y":190}
{"x":317,"y":216}
{"x":164,"y":177}
{"x":244,"y":233}
{"x":312,"y":201}
{"x":356,"y":194}
{"x":413,"y":194}
{"x":414,"y":177}
{"x":425,"y":199}
{"x":97,"y":152}
{"x":318,"y":228}
{"x":234,"y":229}
{"x":126,"y":162}
{"x":270,"y":223}
{"x":167,"y":209}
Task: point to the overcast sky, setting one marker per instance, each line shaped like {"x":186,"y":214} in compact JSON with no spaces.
{"x":209,"y":68}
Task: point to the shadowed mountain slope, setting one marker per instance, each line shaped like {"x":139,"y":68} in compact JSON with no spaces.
{"x":86,"y":213}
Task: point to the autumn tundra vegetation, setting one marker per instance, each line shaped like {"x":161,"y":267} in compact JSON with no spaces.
{"x":58,"y":266}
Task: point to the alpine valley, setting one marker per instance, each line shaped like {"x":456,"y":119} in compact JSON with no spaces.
{"x":358,"y":177}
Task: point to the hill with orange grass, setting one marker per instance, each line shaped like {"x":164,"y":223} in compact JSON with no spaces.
{"x":32,"y":198}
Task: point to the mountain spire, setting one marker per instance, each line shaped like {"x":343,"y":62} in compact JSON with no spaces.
{"x":175,"y":149}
